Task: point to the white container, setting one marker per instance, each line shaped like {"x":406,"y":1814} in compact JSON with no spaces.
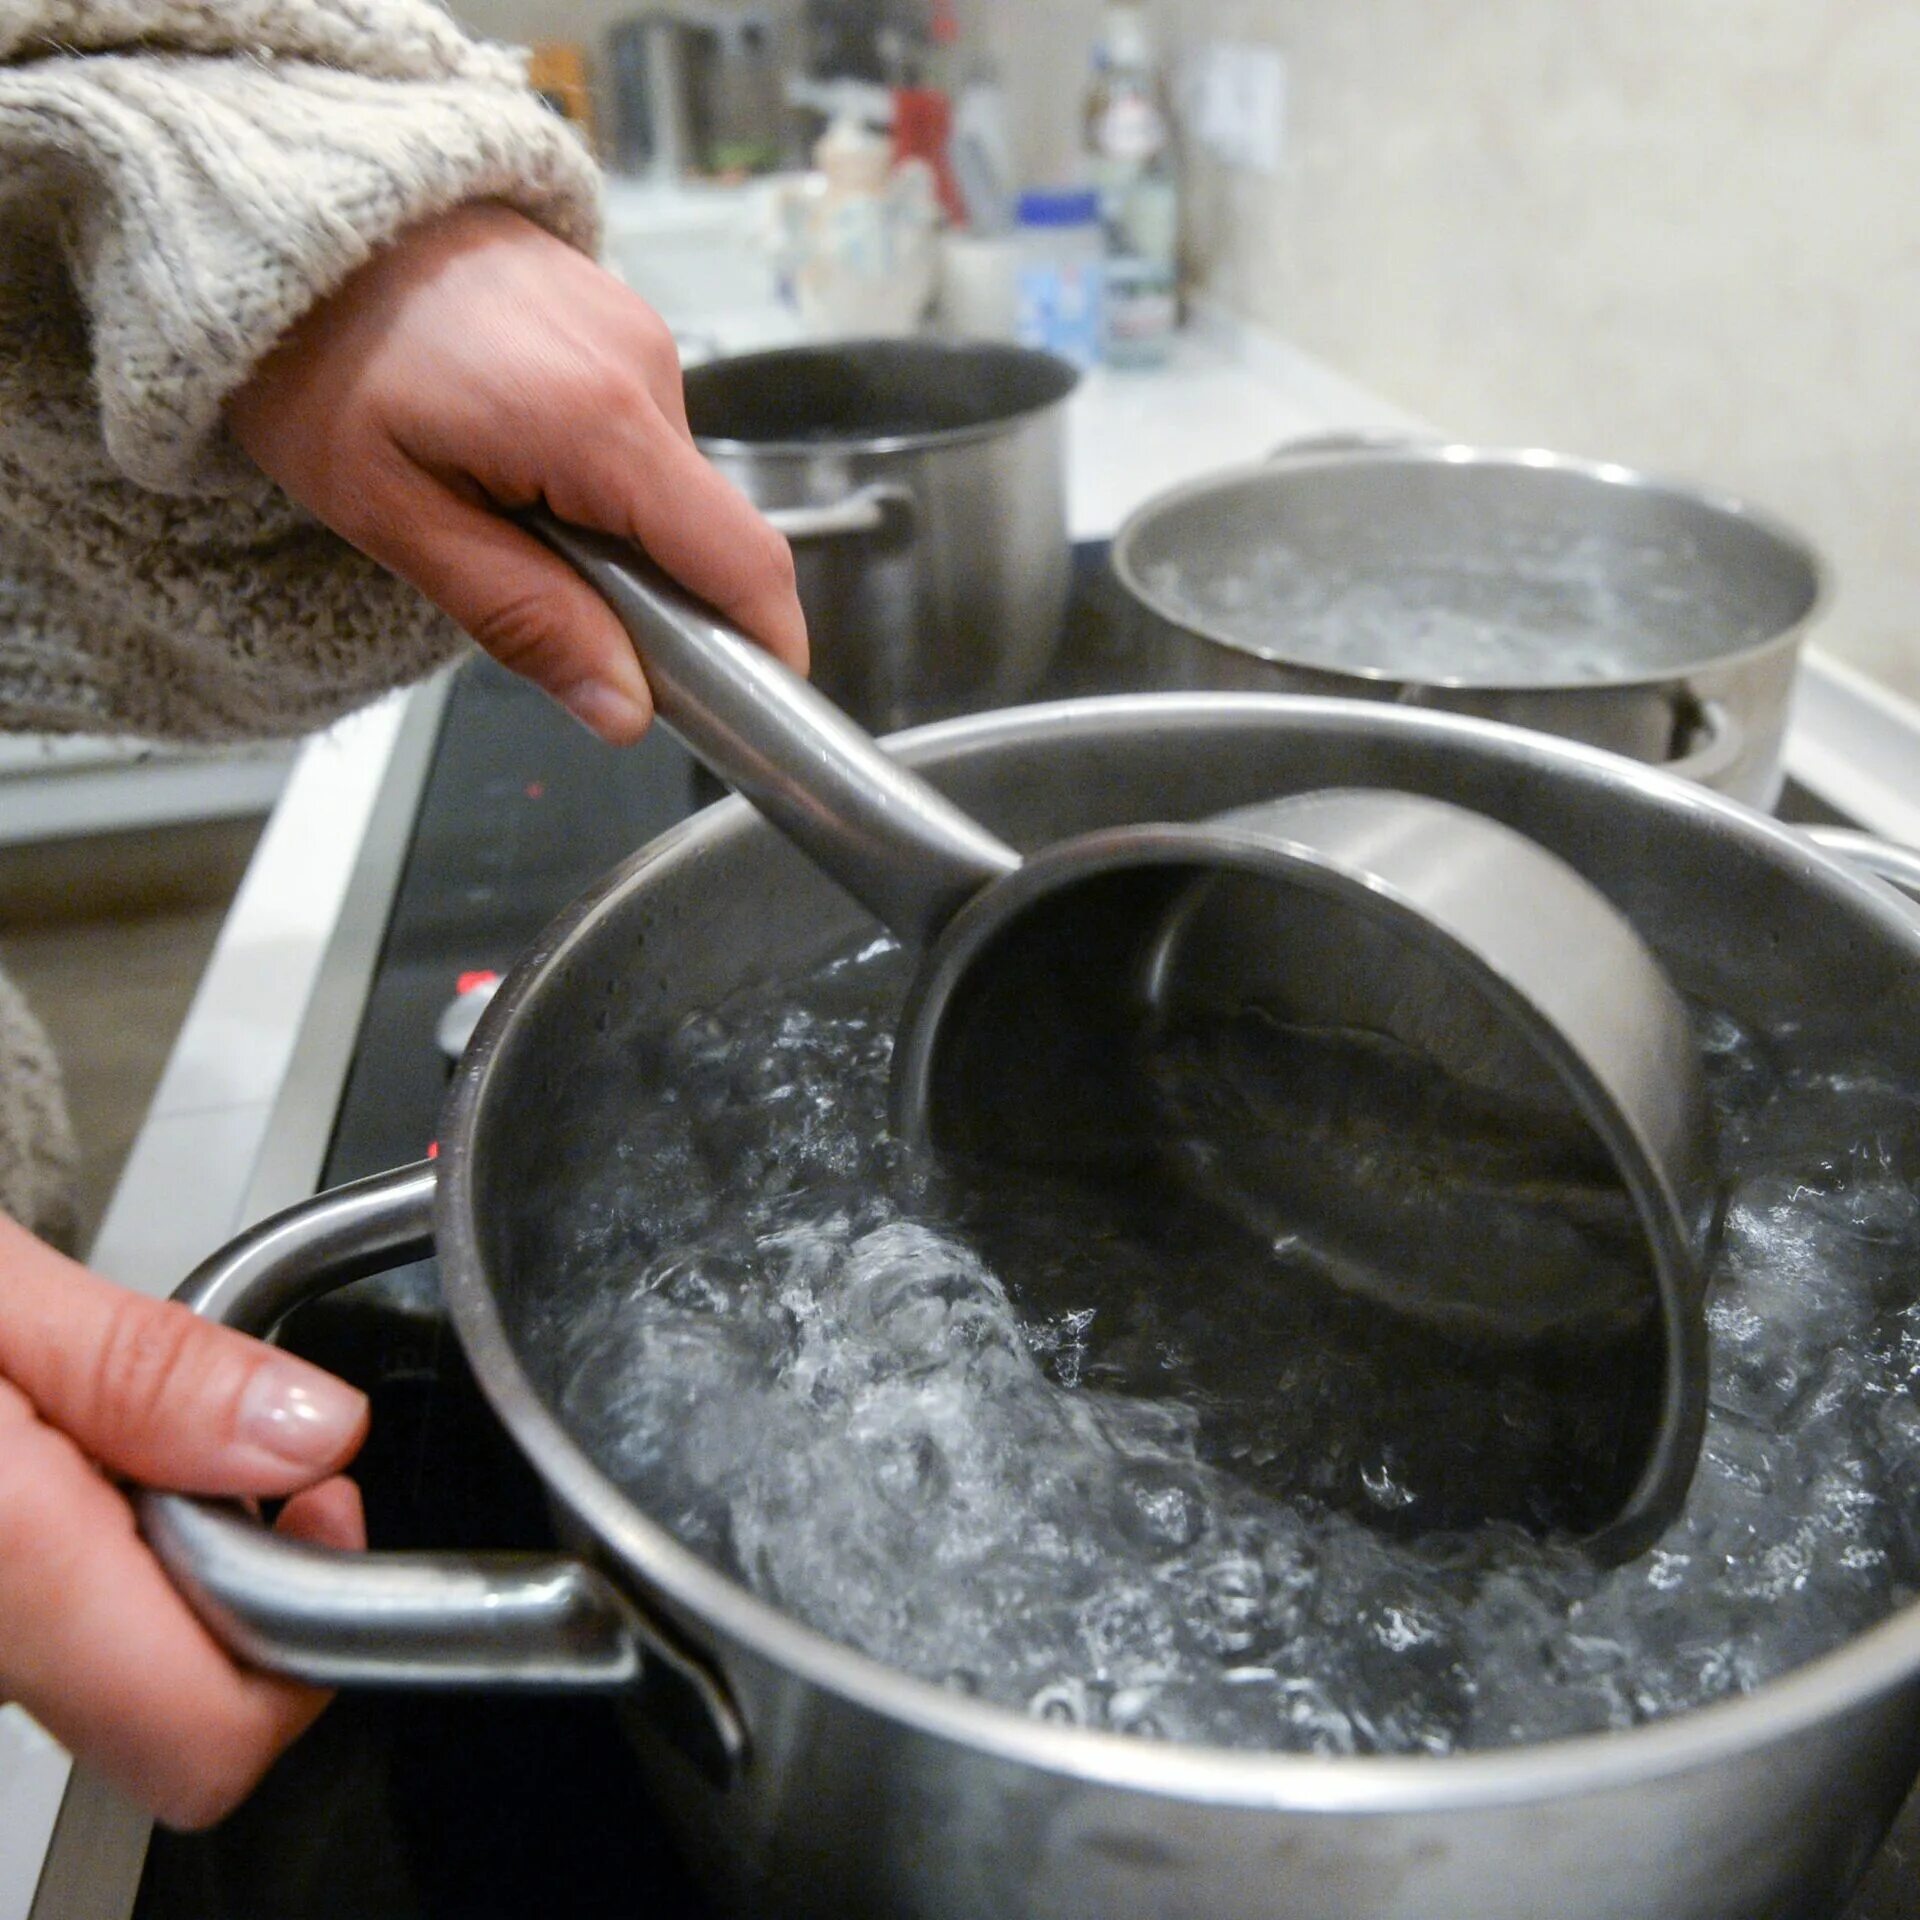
{"x":980,"y":286}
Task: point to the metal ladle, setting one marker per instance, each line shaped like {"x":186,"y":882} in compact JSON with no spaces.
{"x":1044,"y":981}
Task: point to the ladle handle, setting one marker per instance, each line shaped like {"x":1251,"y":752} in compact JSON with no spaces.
{"x":897,"y":845}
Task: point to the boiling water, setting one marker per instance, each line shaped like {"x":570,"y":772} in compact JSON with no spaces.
{"x":1525,"y":607}
{"x":1017,"y":1441}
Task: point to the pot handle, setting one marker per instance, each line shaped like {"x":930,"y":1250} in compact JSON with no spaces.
{"x":499,"y":1622}
{"x":1885,"y":859}
{"x":1725,"y":740}
{"x":880,"y":508}
{"x":898,"y":845}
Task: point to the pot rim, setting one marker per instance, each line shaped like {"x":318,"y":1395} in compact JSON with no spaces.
{"x":1428,"y":453}
{"x":1067,"y":378}
{"x":651,"y":1560}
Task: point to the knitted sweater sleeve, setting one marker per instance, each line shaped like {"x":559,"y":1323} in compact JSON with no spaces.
{"x":180,"y":180}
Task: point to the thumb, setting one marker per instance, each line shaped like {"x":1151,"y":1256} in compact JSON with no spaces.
{"x":151,"y":1391}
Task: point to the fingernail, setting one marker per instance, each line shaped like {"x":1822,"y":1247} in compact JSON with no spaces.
{"x":299,"y":1414}
{"x":603,"y":708}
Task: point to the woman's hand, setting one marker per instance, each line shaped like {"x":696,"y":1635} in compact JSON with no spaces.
{"x":94,"y":1641}
{"x":480,"y":363}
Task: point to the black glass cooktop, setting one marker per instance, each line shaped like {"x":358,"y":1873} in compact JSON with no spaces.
{"x":424,"y":1808}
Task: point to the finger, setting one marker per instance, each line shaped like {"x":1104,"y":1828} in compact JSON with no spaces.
{"x":522,"y":603}
{"x":151,"y":1391}
{"x":329,"y":1515}
{"x":98,"y":1647}
{"x":659,"y":491}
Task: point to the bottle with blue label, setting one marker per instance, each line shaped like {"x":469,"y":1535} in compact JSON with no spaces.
{"x":1061,"y":276}
{"x":1128,"y":134}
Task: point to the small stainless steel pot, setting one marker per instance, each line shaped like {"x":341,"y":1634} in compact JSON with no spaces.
{"x":1707,"y":696}
{"x":923,"y":486}
{"x":808,"y":1780}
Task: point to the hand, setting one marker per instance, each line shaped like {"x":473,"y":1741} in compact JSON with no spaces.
{"x":480,"y":363}
{"x":94,"y":1641}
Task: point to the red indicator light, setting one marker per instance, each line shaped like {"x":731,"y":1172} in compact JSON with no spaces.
{"x":480,"y":977}
{"x":536,"y":789}
{"x":433,"y":1149}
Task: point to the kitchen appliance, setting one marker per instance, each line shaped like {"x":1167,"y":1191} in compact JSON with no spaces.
{"x":1237,"y":574}
{"x":923,"y":485}
{"x":446,"y":1808}
{"x":810,"y":1780}
{"x":696,"y":90}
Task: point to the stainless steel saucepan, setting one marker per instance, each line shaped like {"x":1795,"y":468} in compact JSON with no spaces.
{"x":808,"y":1780}
{"x":923,"y":486}
{"x":1650,"y":617}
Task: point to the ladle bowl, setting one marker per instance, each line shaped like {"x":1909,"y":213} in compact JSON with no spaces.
{"x":1049,"y":989}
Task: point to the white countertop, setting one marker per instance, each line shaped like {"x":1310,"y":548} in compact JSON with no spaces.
{"x":1229,"y":395}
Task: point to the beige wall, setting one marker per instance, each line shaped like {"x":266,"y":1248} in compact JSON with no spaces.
{"x":582,"y":20}
{"x":1678,"y":233}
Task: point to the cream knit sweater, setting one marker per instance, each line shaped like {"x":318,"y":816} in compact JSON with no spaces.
{"x":179,"y":181}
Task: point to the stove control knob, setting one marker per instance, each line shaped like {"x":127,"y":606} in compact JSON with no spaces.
{"x":462,"y":1013}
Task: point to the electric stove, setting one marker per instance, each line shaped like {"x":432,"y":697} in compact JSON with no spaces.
{"x":435,"y":1808}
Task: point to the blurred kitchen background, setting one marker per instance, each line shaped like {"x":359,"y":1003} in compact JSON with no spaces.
{"x":1679,"y":235}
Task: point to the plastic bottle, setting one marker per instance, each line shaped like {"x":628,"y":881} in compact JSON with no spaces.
{"x":1060,"y":280}
{"x":1128,"y":137}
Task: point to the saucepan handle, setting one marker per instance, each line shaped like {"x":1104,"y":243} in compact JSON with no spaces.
{"x":1885,"y":859}
{"x":899,"y":846}
{"x":880,"y":508}
{"x":499,"y":1622}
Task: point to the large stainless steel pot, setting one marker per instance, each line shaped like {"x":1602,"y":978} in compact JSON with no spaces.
{"x":1706,"y":694}
{"x":810,"y":1781}
{"x":923,"y":486}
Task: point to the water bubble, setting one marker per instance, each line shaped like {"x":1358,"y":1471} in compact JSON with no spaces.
{"x":1064,"y":1703}
{"x":1160,"y":1508}
{"x":1232,"y":1612}
{"x":698,"y":1281}
{"x":702,"y":1039}
{"x":1036,"y":1441}
{"x":1503,"y":605}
